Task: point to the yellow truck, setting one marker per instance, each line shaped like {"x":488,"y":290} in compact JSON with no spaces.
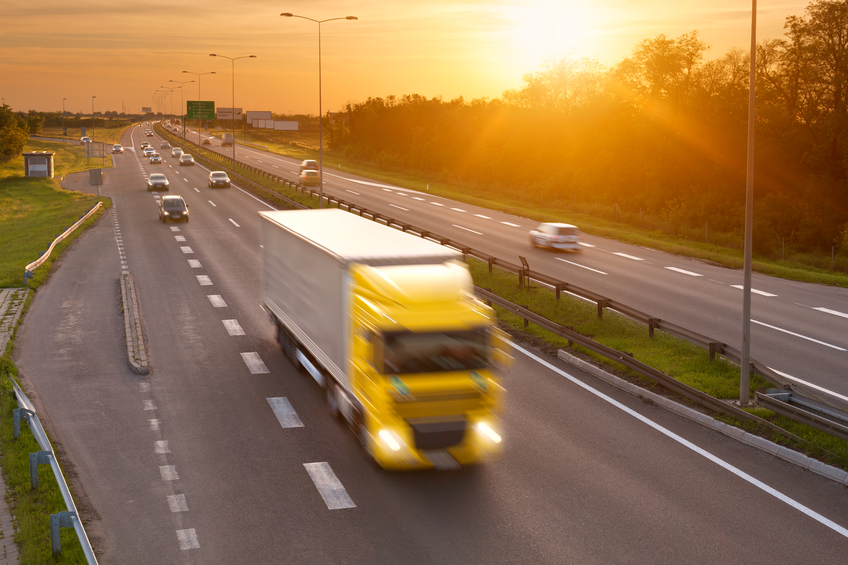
{"x":388,"y":325}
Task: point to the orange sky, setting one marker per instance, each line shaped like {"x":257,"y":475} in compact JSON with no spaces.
{"x":122,"y":51}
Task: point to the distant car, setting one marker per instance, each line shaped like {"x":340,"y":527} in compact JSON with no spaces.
{"x":117,"y":148}
{"x":148,"y":133}
{"x":148,"y":152}
{"x":165,"y":145}
{"x":206,"y":141}
{"x":218,"y":178}
{"x":556,"y":236}
{"x":158,"y":181}
{"x":227,"y":140}
{"x":173,"y":208}
{"x":309,"y":165}
{"x":176,"y":152}
{"x":309,"y":178}
{"x":145,"y":145}
{"x":155,"y":159}
{"x":85,"y":139}
{"x":186,"y":159}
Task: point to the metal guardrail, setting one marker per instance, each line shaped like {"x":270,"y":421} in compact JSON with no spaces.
{"x":40,"y":261}
{"x":69,"y":518}
{"x":800,"y":409}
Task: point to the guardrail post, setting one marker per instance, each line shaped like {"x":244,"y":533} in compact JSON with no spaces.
{"x":570,"y":328}
{"x":491,"y":261}
{"x":57,"y":521}
{"x":652,"y":323}
{"x":17,"y":414}
{"x":714,"y":348}
{"x":524,"y":272}
{"x":558,"y":289}
{"x":35,"y":459}
{"x":526,"y":321}
{"x":603,"y":303}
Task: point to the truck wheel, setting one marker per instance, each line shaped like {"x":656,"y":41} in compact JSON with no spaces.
{"x":288,"y":346}
{"x":331,"y":393}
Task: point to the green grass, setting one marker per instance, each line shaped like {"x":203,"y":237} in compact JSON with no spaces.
{"x":106,"y":135}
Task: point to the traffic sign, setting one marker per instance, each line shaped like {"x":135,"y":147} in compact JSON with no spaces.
{"x":200,"y":110}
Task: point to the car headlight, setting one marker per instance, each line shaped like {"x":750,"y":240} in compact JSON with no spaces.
{"x":166,"y":214}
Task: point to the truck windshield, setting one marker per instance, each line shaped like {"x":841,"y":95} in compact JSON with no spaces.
{"x":433,"y":352}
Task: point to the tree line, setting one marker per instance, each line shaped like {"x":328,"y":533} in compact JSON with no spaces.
{"x":658,"y":140}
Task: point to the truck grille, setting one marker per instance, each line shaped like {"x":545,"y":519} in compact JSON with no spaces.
{"x":438,"y":435}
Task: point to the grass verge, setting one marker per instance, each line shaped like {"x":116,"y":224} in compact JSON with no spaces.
{"x":106,"y":135}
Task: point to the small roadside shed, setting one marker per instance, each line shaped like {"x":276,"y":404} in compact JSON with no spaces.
{"x":38,"y":164}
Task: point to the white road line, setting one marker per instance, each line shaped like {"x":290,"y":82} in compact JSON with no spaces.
{"x":811,"y":385}
{"x":457,"y":209}
{"x":754,"y":290}
{"x":233,"y":327}
{"x":185,"y":179}
{"x":175,"y":228}
{"x":626,"y":256}
{"x":216,"y":300}
{"x":196,"y":189}
{"x":212,"y":203}
{"x":204,"y":280}
{"x":169,"y":473}
{"x":258,"y":161}
{"x":187,"y":539}
{"x":437,"y":204}
{"x":686,"y":443}
{"x":352,"y":192}
{"x":584,"y":244}
{"x":482,"y":216}
{"x":275,"y":166}
{"x":418,"y":198}
{"x":186,"y":249}
{"x":329,"y":486}
{"x":254,"y":363}
{"x":387,"y":190}
{"x":829,"y":311}
{"x":144,"y":387}
{"x":466,"y":229}
{"x":161,"y":447}
{"x":148,"y":405}
{"x":690,"y":273}
{"x":180,"y":237}
{"x":284,"y":412}
{"x":399,"y":207}
{"x":510,"y":224}
{"x":153,"y":425}
{"x":836,"y":347}
{"x":581,"y":266}
{"x":400,"y":193}
{"x":234,"y":222}
{"x":194,"y":264}
{"x":177,"y":503}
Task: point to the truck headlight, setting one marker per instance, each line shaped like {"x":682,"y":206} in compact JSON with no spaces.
{"x":487,"y":432}
{"x":391,"y":439}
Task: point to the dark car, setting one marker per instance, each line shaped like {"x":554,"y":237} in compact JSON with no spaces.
{"x":309,"y":165}
{"x":218,"y":178}
{"x":173,"y":208}
{"x":158,"y":181}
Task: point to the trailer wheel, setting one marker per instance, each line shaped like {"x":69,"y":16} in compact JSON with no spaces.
{"x":289,"y":347}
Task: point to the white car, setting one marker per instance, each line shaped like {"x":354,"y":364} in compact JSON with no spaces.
{"x":176,"y":152}
{"x":556,"y":236}
{"x":85,"y":139}
{"x":117,"y":148}
{"x":148,"y":152}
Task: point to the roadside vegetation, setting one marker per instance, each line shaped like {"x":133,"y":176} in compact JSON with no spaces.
{"x":108,"y":136}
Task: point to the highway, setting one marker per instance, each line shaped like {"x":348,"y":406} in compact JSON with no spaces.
{"x":225,"y":454}
{"x":799,"y":329}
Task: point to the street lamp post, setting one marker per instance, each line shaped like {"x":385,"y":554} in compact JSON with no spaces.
{"x":92,"y":119}
{"x":320,"y":109}
{"x":63,"y":120}
{"x":182,"y":106}
{"x":171,"y":90}
{"x":199,"y":121}
{"x":233,"y":61}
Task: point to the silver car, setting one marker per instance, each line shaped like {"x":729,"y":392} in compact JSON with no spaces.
{"x":218,"y":178}
{"x":176,"y":152}
{"x":158,"y":181}
{"x":556,"y":236}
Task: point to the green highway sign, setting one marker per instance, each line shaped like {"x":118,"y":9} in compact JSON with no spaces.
{"x":200,"y":110}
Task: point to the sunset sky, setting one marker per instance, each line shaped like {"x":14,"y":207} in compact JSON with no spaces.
{"x":122,"y":52}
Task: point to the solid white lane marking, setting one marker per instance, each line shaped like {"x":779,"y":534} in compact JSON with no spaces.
{"x":194,"y":264}
{"x":686,"y":443}
{"x":809,"y":384}
{"x":626,"y":256}
{"x":584,"y":244}
{"x":437,"y":204}
{"x":154,"y":425}
{"x":233,"y":327}
{"x":399,"y":207}
{"x":216,"y":300}
{"x":254,"y":363}
{"x":186,"y":249}
{"x":175,"y":228}
{"x":177,"y":503}
{"x":754,"y":290}
{"x":148,"y":405}
{"x":690,"y":273}
{"x":329,"y":486}
{"x":482,"y":216}
{"x":212,"y":203}
{"x":196,"y":189}
{"x":352,"y":192}
{"x":180,"y":237}
{"x":799,"y":335}
{"x":418,"y":198}
{"x":234,"y":222}
{"x":169,"y":473}
{"x":829,"y":311}
{"x":581,"y":266}
{"x":510,"y":224}
{"x":466,"y":229}
{"x":204,"y":280}
{"x":187,"y":539}
{"x":161,"y":447}
{"x":284,"y":412}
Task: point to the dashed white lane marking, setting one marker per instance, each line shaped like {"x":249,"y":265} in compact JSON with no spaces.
{"x":690,"y":273}
{"x":284,"y":412}
{"x":196,"y":189}
{"x":186,"y":249}
{"x":161,"y":447}
{"x":194,"y":264}
{"x":234,"y":222}
{"x":204,"y":280}
{"x":169,"y":473}
{"x":510,"y":224}
{"x":418,"y":198}
{"x":216,"y":300}
{"x":482,"y":216}
{"x":401,"y":193}
{"x":329,"y":486}
{"x":177,"y":503}
{"x":387,"y":190}
{"x":467,"y":229}
{"x":457,"y":209}
{"x":829,"y":311}
{"x":254,"y":363}
{"x":352,"y":192}
{"x":437,"y":204}
{"x":185,"y":179}
{"x":187,"y":539}
{"x":836,"y":347}
{"x":275,"y":166}
{"x":754,"y":290}
{"x":175,"y":228}
{"x":212,"y":203}
{"x":144,"y":387}
{"x":233,"y":327}
{"x":148,"y":405}
{"x":180,"y":237}
{"x":689,"y":445}
{"x":584,"y":244}
{"x":399,"y":207}
{"x":811,"y":385}
{"x":153,"y":425}
{"x":581,"y":266}
{"x":626,"y":256}
{"x":258,"y":161}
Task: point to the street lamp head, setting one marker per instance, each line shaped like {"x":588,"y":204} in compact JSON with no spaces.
{"x":351,"y":18}
{"x":251,"y":56}
{"x":287,"y":15}
{"x":212,"y":55}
